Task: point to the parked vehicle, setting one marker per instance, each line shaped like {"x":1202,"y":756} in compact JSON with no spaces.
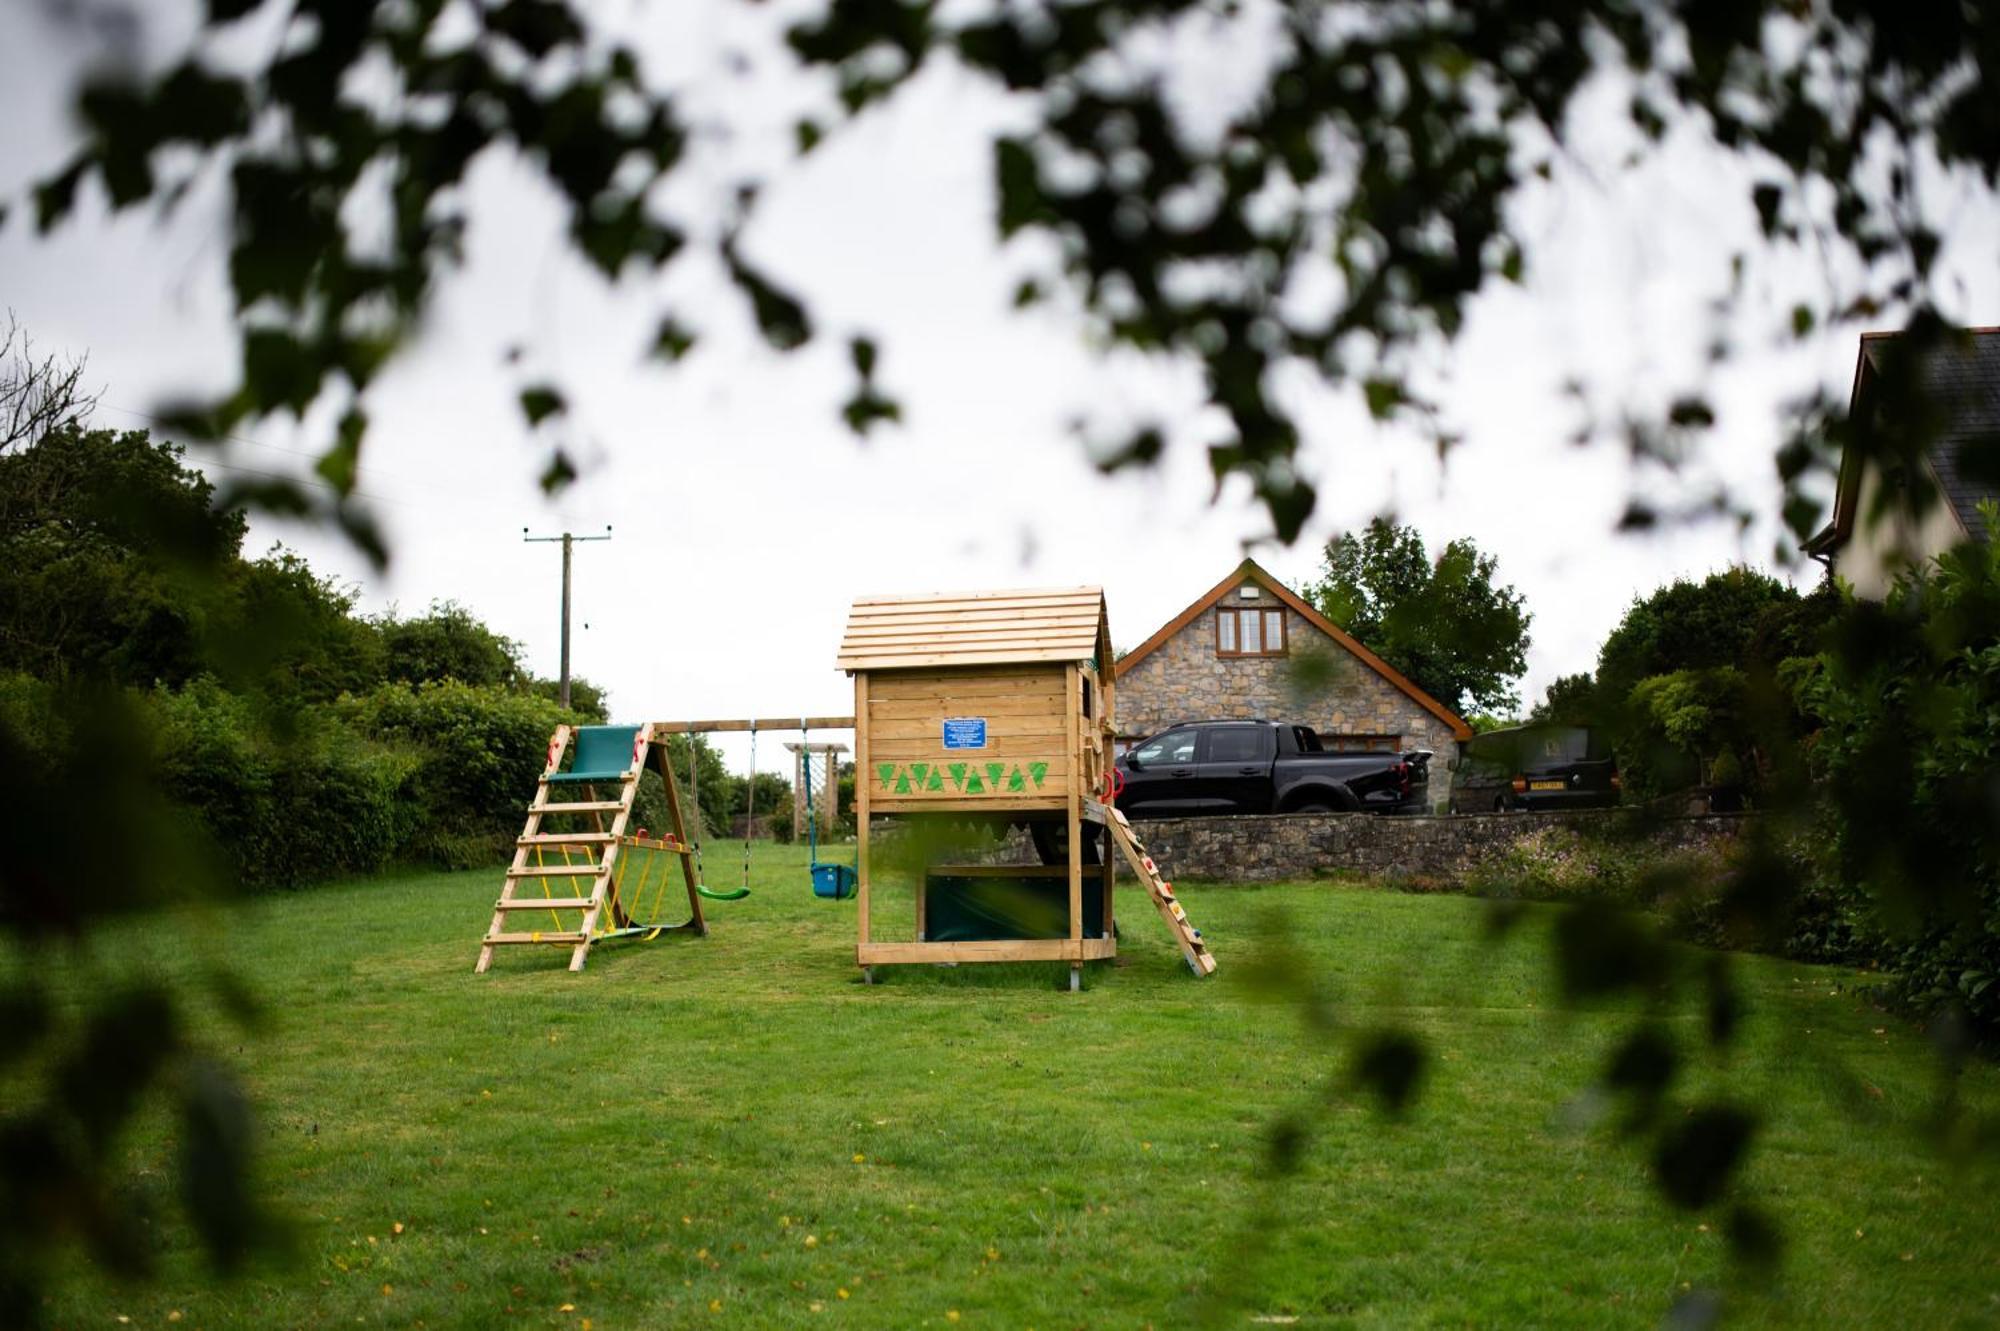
{"x":1536,"y":767}
{"x":1222,"y":767}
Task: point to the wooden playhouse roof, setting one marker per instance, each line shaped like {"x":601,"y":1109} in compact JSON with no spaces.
{"x":974,"y":628}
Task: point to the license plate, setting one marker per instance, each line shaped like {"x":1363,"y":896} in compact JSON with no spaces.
{"x":1545,"y":785}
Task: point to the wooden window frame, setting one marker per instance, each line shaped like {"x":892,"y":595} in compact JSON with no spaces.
{"x":1284,"y":647}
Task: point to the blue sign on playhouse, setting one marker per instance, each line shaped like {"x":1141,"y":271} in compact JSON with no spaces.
{"x":965,"y":732}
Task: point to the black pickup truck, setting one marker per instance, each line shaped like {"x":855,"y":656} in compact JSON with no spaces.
{"x":1216,"y":767}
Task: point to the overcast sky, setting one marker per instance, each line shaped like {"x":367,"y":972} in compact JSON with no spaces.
{"x":746,"y":518}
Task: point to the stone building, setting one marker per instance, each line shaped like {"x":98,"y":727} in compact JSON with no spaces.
{"x":1251,"y":648}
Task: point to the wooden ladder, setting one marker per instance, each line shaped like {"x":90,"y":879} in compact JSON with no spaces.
{"x":1160,"y":890}
{"x":605,"y":841}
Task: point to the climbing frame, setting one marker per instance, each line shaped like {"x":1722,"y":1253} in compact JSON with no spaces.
{"x":584,"y":877}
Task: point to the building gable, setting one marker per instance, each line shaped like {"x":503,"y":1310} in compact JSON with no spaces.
{"x":1961,"y":380}
{"x":1302,"y":624}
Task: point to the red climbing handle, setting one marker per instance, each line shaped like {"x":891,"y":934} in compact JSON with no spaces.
{"x":1114,"y":785}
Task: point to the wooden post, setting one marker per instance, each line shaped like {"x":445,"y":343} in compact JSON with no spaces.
{"x":1105,"y":737}
{"x":1073,"y":690}
{"x":861,"y":787}
{"x":695,"y":920}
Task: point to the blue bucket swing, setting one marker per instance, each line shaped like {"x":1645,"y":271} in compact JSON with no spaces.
{"x":833,"y":882}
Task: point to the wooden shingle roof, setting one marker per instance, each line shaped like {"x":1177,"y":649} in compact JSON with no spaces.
{"x":974,"y":628}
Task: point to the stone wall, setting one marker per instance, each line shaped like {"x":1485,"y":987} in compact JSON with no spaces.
{"x":1320,"y":684}
{"x":1444,"y":849}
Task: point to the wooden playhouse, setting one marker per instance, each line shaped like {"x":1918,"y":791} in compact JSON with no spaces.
{"x":996,"y":703}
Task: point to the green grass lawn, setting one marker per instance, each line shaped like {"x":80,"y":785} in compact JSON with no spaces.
{"x":734,"y":1131}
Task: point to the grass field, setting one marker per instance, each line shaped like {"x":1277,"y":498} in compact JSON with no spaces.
{"x":732,"y":1131}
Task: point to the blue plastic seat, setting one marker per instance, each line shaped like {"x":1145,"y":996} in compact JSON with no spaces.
{"x":602,"y":753}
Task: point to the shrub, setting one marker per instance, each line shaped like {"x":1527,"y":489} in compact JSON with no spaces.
{"x":317,"y":804}
{"x":1704,"y":895}
{"x":478,"y":749}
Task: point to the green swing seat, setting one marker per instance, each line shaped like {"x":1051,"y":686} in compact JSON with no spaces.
{"x":603,"y":753}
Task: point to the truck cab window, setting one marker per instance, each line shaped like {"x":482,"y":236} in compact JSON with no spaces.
{"x":1236,"y":744}
{"x":1176,"y":746}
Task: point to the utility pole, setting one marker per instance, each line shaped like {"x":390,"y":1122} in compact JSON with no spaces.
{"x":567,"y":540}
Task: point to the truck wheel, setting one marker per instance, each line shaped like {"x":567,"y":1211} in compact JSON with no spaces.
{"x":1315,"y":806}
{"x":1500,"y":804}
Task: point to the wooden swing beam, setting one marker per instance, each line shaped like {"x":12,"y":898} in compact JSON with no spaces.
{"x":754,"y":723}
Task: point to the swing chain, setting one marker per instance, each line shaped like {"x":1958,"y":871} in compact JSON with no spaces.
{"x":750,"y":804}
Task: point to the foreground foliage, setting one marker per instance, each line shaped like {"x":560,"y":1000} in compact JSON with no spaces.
{"x":1908,"y":751}
{"x":1333,"y":216}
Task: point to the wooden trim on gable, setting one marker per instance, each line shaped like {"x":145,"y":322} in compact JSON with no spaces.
{"x":1255,"y":572}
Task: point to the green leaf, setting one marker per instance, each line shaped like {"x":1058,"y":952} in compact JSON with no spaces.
{"x":1384,"y":396}
{"x":279,"y":371}
{"x":126,"y":1040}
{"x":541,"y":402}
{"x":216,"y":1137}
{"x":538,"y":27}
{"x":1696,"y":1158}
{"x":1019,"y":187}
{"x":673,"y":339}
{"x":341,"y":463}
{"x":862,"y":351}
{"x":1391,"y":1064}
{"x":558,"y":474}
{"x":1691,"y":413}
{"x":359,"y":526}
{"x":780,"y":318}
{"x":55,"y":196}
{"x":195,"y":106}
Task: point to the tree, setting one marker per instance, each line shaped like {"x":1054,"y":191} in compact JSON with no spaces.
{"x":113,"y":558}
{"x":1689,"y":626}
{"x":447,"y":642}
{"x":1571,"y":700}
{"x":1446,"y":625}
{"x":38,"y":395}
{"x":1690,"y":682}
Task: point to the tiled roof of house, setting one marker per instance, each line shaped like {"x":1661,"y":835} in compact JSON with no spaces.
{"x":1963,"y":377}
